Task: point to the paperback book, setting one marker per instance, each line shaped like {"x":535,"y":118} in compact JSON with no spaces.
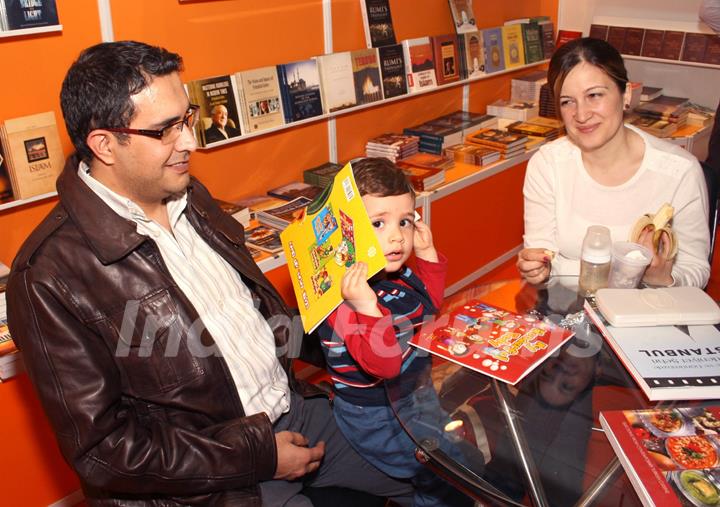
{"x":463,"y":15}
{"x":473,"y":53}
{"x":419,"y":64}
{"x":366,"y":75}
{"x":447,"y":64}
{"x":6,"y":193}
{"x":262,"y":237}
{"x":333,"y":234}
{"x":295,"y":189}
{"x":513,"y":45}
{"x":30,"y":13}
{"x":336,"y":79}
{"x":283,"y":215}
{"x":493,"y":47}
{"x":493,"y":341}
{"x":392,"y":70}
{"x":670,"y":455}
{"x":260,"y":100}
{"x":378,"y":24}
{"x":219,"y":111}
{"x":300,"y":90}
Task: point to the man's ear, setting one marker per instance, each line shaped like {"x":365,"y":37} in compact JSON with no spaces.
{"x":102,"y":143}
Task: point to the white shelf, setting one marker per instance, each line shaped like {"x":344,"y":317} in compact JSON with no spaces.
{"x":672,"y":62}
{"x":31,"y":31}
{"x":21,"y":202}
{"x":321,"y":117}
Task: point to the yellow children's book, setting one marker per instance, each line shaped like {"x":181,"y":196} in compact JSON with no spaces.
{"x":333,"y":234}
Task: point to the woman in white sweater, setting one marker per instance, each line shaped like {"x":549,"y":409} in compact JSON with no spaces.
{"x":608,"y":173}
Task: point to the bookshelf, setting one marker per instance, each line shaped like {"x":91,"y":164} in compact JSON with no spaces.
{"x":30,"y":31}
{"x":21,"y":202}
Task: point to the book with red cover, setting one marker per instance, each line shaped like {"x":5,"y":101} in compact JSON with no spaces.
{"x":672,"y":45}
{"x":712,"y":51}
{"x":447,"y":61}
{"x":598,"y":31}
{"x":652,"y":43}
{"x":490,"y":340}
{"x":616,"y":37}
{"x":564,"y":36}
{"x":694,"y":47}
{"x":633,"y":41}
{"x":670,"y":455}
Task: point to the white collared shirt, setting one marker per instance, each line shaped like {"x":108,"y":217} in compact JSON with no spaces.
{"x":222,"y":300}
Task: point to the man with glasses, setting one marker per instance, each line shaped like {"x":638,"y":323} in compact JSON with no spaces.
{"x":157,"y":347}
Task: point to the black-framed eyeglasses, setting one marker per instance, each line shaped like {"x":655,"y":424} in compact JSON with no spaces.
{"x":168,"y":134}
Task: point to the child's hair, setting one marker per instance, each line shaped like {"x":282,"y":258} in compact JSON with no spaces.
{"x":378,"y":176}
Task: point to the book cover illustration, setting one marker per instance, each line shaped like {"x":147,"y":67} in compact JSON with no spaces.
{"x":337,"y":84}
{"x":392,"y":69}
{"x":366,"y":76}
{"x":493,"y":46}
{"x":419,"y":64}
{"x":669,"y":454}
{"x":463,"y":15}
{"x":377,"y":21}
{"x":300,"y":86}
{"x":474,"y":54}
{"x":491,"y":340}
{"x":334,"y":233}
{"x":447,"y":64}
{"x":30,"y":13}
{"x":264,"y":238}
{"x":6,"y":193}
{"x":219,"y":112}
{"x":260,"y":100}
{"x":513,"y":46}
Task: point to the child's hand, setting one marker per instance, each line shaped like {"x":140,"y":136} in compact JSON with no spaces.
{"x":356,"y":291}
{"x":423,"y":242}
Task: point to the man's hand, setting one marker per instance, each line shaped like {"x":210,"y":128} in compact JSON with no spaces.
{"x":356,"y":291}
{"x":534,"y":264}
{"x":423,"y":242}
{"x":294,"y":457}
{"x":659,"y":272}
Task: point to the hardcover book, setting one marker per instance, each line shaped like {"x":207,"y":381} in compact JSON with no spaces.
{"x":300,"y":89}
{"x":564,"y":36}
{"x":419,"y":64}
{"x":670,"y":455}
{"x":260,"y":100}
{"x":463,"y":16}
{"x":30,"y":13}
{"x":336,"y":78}
{"x":672,"y":45}
{"x":490,"y":340}
{"x":616,"y":37}
{"x":219,"y":111}
{"x":378,"y":24}
{"x":513,"y":46}
{"x":667,"y":362}
{"x":712,"y":51}
{"x":334,"y":233}
{"x":366,"y":75}
{"x":532,"y":39}
{"x":548,"y":38}
{"x":694,"y":47}
{"x":494,"y":53}
{"x":633,"y":41}
{"x":599,"y":31}
{"x":652,"y":43}
{"x":474,"y":54}
{"x":33,"y":154}
{"x":392,"y":70}
{"x":447,"y":65}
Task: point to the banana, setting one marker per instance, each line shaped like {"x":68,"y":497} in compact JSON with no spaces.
{"x":660,"y":222}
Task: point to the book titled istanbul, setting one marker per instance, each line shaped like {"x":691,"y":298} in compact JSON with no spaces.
{"x":30,"y":13}
{"x":34,"y":154}
{"x":260,"y":101}
{"x":377,"y":21}
{"x":300,"y":89}
{"x":218,"y":101}
{"x":490,"y":340}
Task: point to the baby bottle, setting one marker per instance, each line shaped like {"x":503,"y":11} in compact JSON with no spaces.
{"x":595,"y":260}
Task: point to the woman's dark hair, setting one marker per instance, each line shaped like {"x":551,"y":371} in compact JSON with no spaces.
{"x":378,"y":176}
{"x":596,"y":52}
{"x":98,"y":87}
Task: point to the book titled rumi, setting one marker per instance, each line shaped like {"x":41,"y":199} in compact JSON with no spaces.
{"x":493,"y":48}
{"x":300,"y":90}
{"x":30,"y":13}
{"x":463,"y":16}
{"x":366,"y":75}
{"x":33,"y":153}
{"x":260,"y":100}
{"x":670,"y":454}
{"x":378,"y":24}
{"x":419,"y":64}
{"x":491,"y":340}
{"x":447,"y":65}
{"x":336,"y":78}
{"x":392,"y":70}
{"x":217,"y":97}
{"x":334,"y":233}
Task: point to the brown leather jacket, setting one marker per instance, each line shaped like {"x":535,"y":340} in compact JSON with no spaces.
{"x":141,"y":424}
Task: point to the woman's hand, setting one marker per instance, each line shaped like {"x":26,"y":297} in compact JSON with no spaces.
{"x":356,"y":291}
{"x":534,"y":264}
{"x":659,"y":272}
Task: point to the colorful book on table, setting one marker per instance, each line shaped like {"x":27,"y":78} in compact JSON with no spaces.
{"x":670,"y":455}
{"x":493,"y":341}
{"x":334,"y":233}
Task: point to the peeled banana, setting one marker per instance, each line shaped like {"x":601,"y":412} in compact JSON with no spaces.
{"x":660,"y":223}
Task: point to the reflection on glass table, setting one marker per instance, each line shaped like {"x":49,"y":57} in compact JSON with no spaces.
{"x":535,"y":443}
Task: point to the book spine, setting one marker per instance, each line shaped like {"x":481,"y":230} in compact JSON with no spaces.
{"x":284,"y":94}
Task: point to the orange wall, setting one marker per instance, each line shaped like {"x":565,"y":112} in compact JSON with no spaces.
{"x":214,"y":37}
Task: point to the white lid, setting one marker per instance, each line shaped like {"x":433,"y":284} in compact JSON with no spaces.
{"x":597,"y":246}
{"x":599,"y":257}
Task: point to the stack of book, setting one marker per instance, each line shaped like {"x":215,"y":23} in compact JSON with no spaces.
{"x":468,"y":121}
{"x":392,"y":146}
{"x":700,"y":115}
{"x":281,"y":216}
{"x":427,"y":161}
{"x":654,"y":126}
{"x":650,"y":93}
{"x":238,"y":212}
{"x":663,"y":115}
{"x":513,"y":110}
{"x":472,"y":154}
{"x":322,"y":175}
{"x":295,"y":189}
{"x":547,"y":103}
{"x":507,"y":143}
{"x":530,"y":128}
{"x":434,"y":137}
{"x":526,"y":88}
{"x":263,"y":238}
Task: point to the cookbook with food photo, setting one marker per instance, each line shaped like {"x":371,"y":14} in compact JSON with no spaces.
{"x":670,"y":454}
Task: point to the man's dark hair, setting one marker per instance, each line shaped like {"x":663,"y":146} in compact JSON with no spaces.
{"x":378,"y":176}
{"x":98,"y":87}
